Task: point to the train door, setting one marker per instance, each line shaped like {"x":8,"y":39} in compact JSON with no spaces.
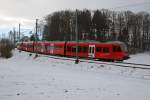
{"x":42,"y":48}
{"x":91,"y":51}
{"x":52,"y":48}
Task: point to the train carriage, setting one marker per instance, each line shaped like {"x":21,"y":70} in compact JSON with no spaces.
{"x":30,"y":46}
{"x":39,"y":47}
{"x":94,"y":50}
{"x":55,"y":48}
{"x":110,"y":51}
{"x":82,"y":49}
{"x":104,"y":51}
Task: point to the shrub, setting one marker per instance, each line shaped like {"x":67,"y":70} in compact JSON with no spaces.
{"x":5,"y":48}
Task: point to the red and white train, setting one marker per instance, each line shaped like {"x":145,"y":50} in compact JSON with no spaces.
{"x":94,"y":50}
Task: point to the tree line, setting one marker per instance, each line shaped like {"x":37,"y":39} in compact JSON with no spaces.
{"x":101,"y":25}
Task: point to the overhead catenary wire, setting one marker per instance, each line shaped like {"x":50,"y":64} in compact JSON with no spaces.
{"x":131,"y":5}
{"x":135,"y":4}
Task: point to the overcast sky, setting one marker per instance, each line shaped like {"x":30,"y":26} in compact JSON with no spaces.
{"x":25,"y":12}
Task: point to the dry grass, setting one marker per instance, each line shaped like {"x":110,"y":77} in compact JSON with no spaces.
{"x":5,"y":48}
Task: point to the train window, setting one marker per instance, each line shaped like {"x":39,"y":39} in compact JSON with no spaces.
{"x":98,"y":49}
{"x":123,"y":48}
{"x":116,"y":49}
{"x":85,"y":49}
{"x":58,"y":47}
{"x":46,"y":47}
{"x":43,"y":47}
{"x":50,"y":47}
{"x":69,"y":49}
{"x":105,"y":50}
{"x":73,"y":49}
{"x":38,"y":47}
{"x":29,"y":46}
{"x":90,"y":49}
{"x":79,"y":49}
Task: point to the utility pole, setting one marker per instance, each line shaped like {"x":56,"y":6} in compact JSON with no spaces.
{"x":36,"y":38}
{"x":19,"y":34}
{"x":77,"y":41}
{"x":14,"y":35}
{"x":36,"y":29}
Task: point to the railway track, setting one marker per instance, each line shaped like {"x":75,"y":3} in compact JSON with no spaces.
{"x":119,"y":64}
{"x":134,"y":64}
{"x":125,"y":64}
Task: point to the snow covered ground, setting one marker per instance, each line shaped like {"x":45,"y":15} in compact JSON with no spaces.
{"x":43,"y":78}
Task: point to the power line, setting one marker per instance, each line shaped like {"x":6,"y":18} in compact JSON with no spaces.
{"x":132,"y":5}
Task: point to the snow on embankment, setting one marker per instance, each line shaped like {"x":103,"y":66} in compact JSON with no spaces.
{"x":25,"y":78}
{"x":143,"y":58}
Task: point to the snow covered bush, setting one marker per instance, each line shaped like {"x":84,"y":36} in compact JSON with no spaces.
{"x":5,"y":48}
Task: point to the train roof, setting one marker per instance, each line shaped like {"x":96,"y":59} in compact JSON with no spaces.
{"x":86,"y":41}
{"x":97,"y":42}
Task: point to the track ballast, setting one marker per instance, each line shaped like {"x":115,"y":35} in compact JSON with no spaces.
{"x":119,"y":64}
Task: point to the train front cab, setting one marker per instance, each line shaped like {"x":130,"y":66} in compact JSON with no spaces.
{"x":103,"y":52}
{"x":119,"y":52}
{"x":111,"y":52}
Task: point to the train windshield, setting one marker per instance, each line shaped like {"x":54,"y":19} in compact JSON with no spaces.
{"x":124,"y":48}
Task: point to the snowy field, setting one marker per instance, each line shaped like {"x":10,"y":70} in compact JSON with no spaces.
{"x":43,"y":78}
